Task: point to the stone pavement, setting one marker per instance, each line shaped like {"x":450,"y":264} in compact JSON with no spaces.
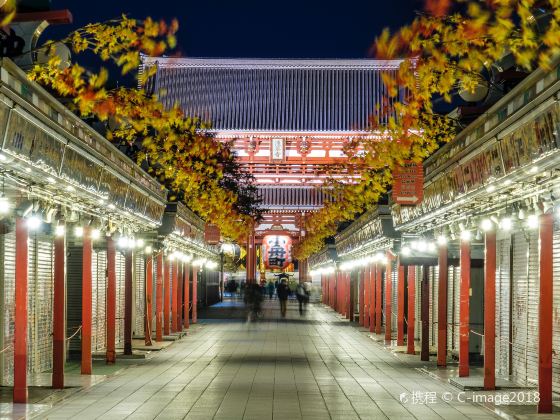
{"x":313,"y":367}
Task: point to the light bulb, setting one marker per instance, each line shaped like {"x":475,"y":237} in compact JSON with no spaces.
{"x":122,"y":242}
{"x":405,"y":251}
{"x":140,"y":243}
{"x":466,"y":235}
{"x":60,"y":230}
{"x":4,"y":205}
{"x":34,"y":222}
{"x":441,"y":240}
{"x":506,"y":223}
{"x":78,"y":231}
{"x":148,"y":250}
{"x":533,"y":221}
{"x":486,"y":225}
{"x":95,"y":234}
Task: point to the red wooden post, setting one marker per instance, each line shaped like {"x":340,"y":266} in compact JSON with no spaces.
{"x":425,"y":314}
{"x":361,"y":298}
{"x":180,"y":269}
{"x":86,"y":301}
{"x":388,"y":297}
{"x":186,"y":290}
{"x":111,"y":355}
{"x":194,"y":295}
{"x":411,"y":309}
{"x":490,"y":311}
{"x":400,"y":304}
{"x":372,"y":298}
{"x":347,"y":299}
{"x":166,"y":296}
{"x":149,"y":294}
{"x":128,"y":274}
{"x":442,"y":307}
{"x":59,"y":309}
{"x":159,"y":296}
{"x":366,"y":296}
{"x":174,"y":295}
{"x":378,"y":298}
{"x":545,"y":313}
{"x":464,"y":296}
{"x":20,"y":313}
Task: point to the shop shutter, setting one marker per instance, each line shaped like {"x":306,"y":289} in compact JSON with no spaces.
{"x":503,"y":311}
{"x":556,"y":312}
{"x":40,"y":303}
{"x":417,"y":303}
{"x":119,"y":330}
{"x":525,"y":307}
{"x":455,"y":274}
{"x":140,"y":283}
{"x":394,"y":298}
{"x":74,"y":254}
{"x":434,"y":290}
{"x":99,"y":301}
{"x":7,"y":290}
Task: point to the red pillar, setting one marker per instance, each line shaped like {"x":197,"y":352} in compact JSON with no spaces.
{"x":464,"y":319}
{"x":425,"y":315}
{"x":545,"y":313}
{"x":372,"y":298}
{"x":20,"y":313}
{"x":348,"y":301}
{"x":442,"y":307}
{"x":194,"y":295}
{"x":149,"y":294}
{"x":388,"y":297}
{"x":366,"y":296}
{"x":166,"y":296}
{"x":490,"y":312}
{"x":128,"y":263}
{"x":159,"y":297}
{"x":411,"y":309}
{"x":111,"y":355}
{"x":59,"y":309}
{"x":400,"y":304}
{"x":361,"y":299}
{"x":186,"y":290}
{"x":174,"y":294}
{"x":378,"y":299}
{"x":180,"y":270}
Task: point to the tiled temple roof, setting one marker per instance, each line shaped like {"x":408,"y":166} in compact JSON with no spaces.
{"x":274,"y":95}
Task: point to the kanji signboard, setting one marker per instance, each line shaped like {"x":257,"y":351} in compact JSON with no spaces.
{"x":211,"y":234}
{"x":408,"y":184}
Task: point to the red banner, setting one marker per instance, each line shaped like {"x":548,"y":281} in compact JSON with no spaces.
{"x":408,"y":184}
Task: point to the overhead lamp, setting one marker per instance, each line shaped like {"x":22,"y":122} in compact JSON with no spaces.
{"x":405,"y":251}
{"x":466,"y":235}
{"x":34,"y":222}
{"x":3,"y":157}
{"x":111,"y":206}
{"x":431,"y":247}
{"x":506,"y":223}
{"x":521,"y":214}
{"x":534,"y":169}
{"x":486,"y":225}
{"x":78,"y":231}
{"x":172,"y":256}
{"x":70,"y":188}
{"x":508,"y":182}
{"x":533,"y":221}
{"x":490,"y":188}
{"x":95,"y":234}
{"x":148,"y":250}
{"x":60,"y":230}
{"x":442,"y":240}
{"x":140,"y":243}
{"x":422,"y":245}
{"x":5,"y":205}
{"x":122,"y":242}
{"x":211,"y":265}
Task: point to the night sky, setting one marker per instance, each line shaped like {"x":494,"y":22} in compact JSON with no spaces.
{"x":257,"y":28}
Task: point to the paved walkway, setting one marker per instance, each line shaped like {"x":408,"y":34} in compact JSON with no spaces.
{"x":311,"y":367}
